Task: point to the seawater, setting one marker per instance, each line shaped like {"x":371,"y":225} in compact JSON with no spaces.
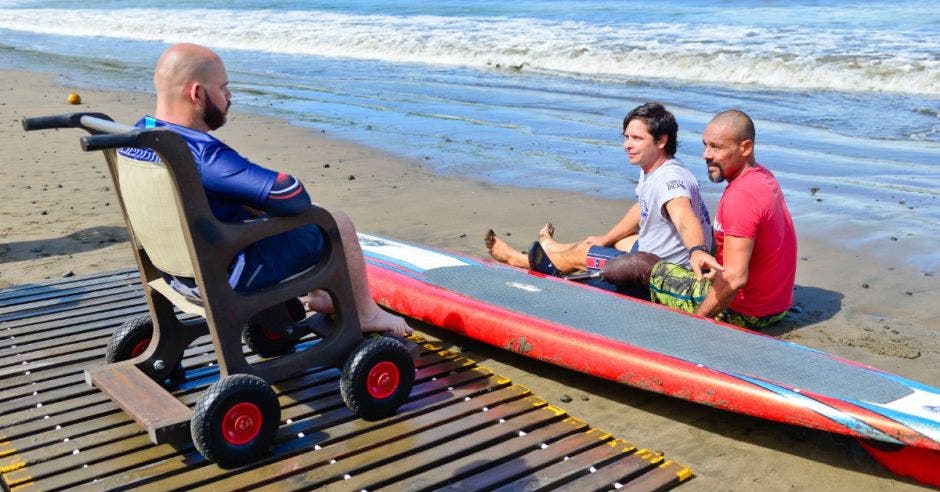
{"x":845,"y":95}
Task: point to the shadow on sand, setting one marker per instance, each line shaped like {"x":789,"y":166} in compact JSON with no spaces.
{"x":88,"y":239}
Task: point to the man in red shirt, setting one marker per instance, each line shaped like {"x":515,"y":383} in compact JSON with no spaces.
{"x":754,"y":238}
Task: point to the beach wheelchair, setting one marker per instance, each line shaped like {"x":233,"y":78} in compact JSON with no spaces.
{"x":174,"y":233}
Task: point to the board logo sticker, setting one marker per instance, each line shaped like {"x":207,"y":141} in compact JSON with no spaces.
{"x":525,"y":287}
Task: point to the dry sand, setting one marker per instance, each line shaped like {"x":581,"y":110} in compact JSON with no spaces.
{"x":59,"y":217}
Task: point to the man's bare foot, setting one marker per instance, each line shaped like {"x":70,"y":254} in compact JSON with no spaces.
{"x":318,"y":301}
{"x":548,"y":242}
{"x":547,"y":231}
{"x":384,"y":321}
{"x":489,"y":239}
{"x":503,"y":252}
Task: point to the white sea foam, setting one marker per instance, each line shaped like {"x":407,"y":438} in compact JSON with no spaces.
{"x":781,"y":57}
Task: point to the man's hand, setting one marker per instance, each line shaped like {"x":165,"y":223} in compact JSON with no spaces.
{"x":704,"y":265}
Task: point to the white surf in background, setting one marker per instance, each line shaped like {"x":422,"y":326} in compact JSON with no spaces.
{"x":845,"y":95}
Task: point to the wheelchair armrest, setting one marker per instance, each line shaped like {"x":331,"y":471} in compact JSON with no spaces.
{"x":239,"y":235}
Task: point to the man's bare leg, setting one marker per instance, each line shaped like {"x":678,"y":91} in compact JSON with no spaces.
{"x":567,"y":257}
{"x":318,"y":301}
{"x":503,"y":252}
{"x":626,"y":244}
{"x":372,"y":318}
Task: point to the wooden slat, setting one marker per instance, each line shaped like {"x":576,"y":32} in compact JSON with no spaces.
{"x":623,"y":470}
{"x":13,"y":295}
{"x":571,"y":466}
{"x":480,"y":461}
{"x":463,"y":427}
{"x":663,"y":477}
{"x":536,"y":459}
{"x":66,"y":302}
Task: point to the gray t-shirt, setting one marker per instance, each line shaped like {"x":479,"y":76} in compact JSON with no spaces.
{"x":658,"y":235}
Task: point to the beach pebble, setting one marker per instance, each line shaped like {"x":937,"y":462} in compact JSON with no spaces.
{"x":565,"y":399}
{"x":68,"y":274}
{"x":585,"y":398}
{"x":351,"y":177}
{"x":865,"y":286}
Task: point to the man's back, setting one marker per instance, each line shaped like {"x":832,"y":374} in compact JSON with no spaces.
{"x":753,"y":206}
{"x":230,"y":180}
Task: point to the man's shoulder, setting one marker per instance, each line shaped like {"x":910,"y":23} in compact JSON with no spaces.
{"x":673,"y":176}
{"x":199,"y":141}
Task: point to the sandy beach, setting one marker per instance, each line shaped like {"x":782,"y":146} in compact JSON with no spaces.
{"x":60,"y":218}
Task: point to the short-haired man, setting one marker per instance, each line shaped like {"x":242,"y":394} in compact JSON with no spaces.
{"x":754,"y":237}
{"x":193,"y":99}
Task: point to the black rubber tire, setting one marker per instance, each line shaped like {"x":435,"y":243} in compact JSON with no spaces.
{"x":267,"y":345}
{"x":128,"y":342}
{"x":218,"y":425}
{"x":129,"y":339}
{"x":379,"y":353}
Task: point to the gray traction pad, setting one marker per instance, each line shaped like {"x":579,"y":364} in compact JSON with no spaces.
{"x":670,"y":333}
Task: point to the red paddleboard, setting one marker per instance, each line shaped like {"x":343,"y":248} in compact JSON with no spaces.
{"x":655,"y":348}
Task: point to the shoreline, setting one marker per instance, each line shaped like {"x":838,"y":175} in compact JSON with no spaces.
{"x":60,"y":216}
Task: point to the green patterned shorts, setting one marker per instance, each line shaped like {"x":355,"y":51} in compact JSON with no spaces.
{"x":674,"y":286}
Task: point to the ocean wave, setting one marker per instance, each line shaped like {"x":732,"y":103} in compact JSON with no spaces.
{"x":785,"y":57}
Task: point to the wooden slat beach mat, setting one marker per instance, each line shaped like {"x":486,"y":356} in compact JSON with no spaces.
{"x":464,"y":428}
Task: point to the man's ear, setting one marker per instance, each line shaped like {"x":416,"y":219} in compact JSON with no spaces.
{"x":661,"y":141}
{"x":747,"y":147}
{"x":196,"y":94}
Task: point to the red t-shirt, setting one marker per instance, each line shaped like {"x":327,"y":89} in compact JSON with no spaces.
{"x":752,"y":206}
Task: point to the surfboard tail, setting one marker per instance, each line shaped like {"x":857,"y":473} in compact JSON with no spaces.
{"x":921,"y":464}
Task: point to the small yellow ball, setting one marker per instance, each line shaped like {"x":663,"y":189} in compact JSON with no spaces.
{"x":74,"y":98}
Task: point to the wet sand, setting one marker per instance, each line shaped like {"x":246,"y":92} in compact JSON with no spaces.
{"x":60,"y":218}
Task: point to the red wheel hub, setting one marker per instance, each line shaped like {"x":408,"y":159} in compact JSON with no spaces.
{"x":241,"y":423}
{"x":271,"y":334}
{"x":382,"y":380}
{"x":140,"y":347}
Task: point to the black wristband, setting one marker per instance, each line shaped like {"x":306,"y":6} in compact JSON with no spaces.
{"x":697,"y":248}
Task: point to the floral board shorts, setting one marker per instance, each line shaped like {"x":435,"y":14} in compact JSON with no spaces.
{"x":675,"y":286}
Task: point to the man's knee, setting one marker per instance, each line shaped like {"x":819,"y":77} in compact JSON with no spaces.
{"x":630,"y":268}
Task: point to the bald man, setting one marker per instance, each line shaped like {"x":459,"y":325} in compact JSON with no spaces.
{"x":754,"y":237}
{"x":193,"y":99}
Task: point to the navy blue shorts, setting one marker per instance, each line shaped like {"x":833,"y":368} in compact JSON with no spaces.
{"x":598,"y":255}
{"x":276,"y":258}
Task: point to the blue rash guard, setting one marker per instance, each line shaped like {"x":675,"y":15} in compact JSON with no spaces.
{"x":231,"y":183}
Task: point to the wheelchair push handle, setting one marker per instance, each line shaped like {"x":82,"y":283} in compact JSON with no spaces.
{"x":47,"y":122}
{"x":68,"y":120}
{"x":110,"y":141}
